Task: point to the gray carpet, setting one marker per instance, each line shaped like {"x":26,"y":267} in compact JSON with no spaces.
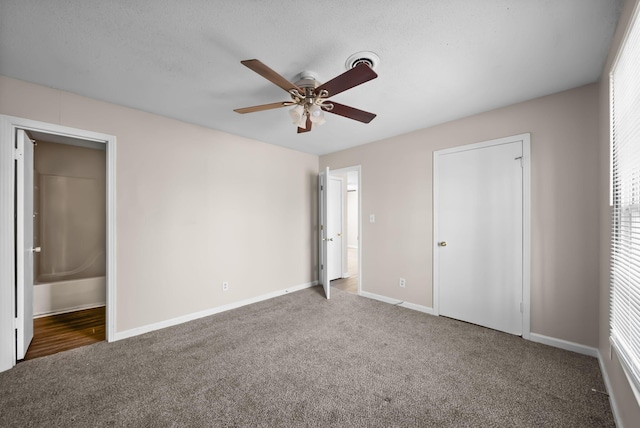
{"x":300,"y":360}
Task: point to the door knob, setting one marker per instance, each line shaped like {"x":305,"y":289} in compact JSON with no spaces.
{"x":443,"y":244}
{"x":339,"y":234}
{"x":36,"y":250}
{"x":330,"y":239}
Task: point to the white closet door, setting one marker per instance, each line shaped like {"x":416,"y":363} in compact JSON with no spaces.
{"x":480,"y":236}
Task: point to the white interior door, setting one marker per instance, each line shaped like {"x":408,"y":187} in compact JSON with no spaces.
{"x":479,"y":236}
{"x":24,"y":244}
{"x":323,"y":191}
{"x":334,"y":227}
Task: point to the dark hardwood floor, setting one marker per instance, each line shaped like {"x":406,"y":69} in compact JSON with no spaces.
{"x":62,"y":332}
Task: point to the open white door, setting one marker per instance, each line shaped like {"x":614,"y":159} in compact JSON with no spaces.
{"x":24,"y":243}
{"x":323,"y":191}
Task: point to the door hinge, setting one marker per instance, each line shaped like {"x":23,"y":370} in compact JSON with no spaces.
{"x":321,"y":267}
{"x":17,"y":154}
{"x":521,"y":161}
{"x":15,"y":323}
{"x":322,"y":227}
{"x":321,"y":187}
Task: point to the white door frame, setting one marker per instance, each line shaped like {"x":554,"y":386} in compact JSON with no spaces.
{"x":358,"y":169}
{"x":526,"y":222}
{"x":8,"y":127}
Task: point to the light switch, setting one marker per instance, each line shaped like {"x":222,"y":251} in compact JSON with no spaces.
{"x":372,"y":218}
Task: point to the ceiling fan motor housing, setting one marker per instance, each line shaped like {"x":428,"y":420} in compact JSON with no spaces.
{"x":307,"y":79}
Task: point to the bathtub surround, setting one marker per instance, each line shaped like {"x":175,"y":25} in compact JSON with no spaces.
{"x":66,"y":296}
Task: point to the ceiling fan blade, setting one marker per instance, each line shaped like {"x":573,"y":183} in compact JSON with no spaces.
{"x":351,"y":113}
{"x":358,"y":75}
{"x":269,"y":74}
{"x":308,"y":126}
{"x":264,"y":107}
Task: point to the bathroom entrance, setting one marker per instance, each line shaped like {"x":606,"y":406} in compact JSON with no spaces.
{"x":69,"y":233}
{"x":41,"y":277}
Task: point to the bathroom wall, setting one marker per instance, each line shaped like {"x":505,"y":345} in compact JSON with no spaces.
{"x":70,"y":206}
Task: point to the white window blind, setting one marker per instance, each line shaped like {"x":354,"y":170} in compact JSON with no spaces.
{"x":625,"y":195}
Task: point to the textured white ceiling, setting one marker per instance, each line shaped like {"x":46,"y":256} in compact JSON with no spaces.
{"x":440,"y":59}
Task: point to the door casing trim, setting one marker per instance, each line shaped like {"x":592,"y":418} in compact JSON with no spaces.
{"x":8,"y":127}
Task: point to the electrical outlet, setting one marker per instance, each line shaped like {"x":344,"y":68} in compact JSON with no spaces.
{"x":225,"y":286}
{"x":403,"y":282}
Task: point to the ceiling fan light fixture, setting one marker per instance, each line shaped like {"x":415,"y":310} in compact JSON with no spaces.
{"x":316,"y":114}
{"x":297,"y":115}
{"x":303,"y":122}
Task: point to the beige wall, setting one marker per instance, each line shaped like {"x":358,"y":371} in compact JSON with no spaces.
{"x":195,"y":207}
{"x":396,"y":187}
{"x":627,"y":406}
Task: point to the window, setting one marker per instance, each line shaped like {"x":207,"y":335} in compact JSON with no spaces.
{"x":625,"y":199}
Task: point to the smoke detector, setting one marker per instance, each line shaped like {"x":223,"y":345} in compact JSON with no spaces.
{"x":366,"y":57}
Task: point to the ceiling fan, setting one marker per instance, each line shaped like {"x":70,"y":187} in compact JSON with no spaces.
{"x":310,"y":98}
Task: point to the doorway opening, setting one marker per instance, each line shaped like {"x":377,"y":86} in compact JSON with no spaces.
{"x":55,"y":277}
{"x":349,"y":214}
{"x":69,"y":233}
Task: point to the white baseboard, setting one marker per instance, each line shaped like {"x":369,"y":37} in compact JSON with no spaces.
{"x":564,"y":344}
{"x":585,"y":350}
{"x":397,"y":302}
{"x":212,"y":311}
{"x":607,"y":384}
{"x":534,"y":337}
{"x":352,"y":246}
